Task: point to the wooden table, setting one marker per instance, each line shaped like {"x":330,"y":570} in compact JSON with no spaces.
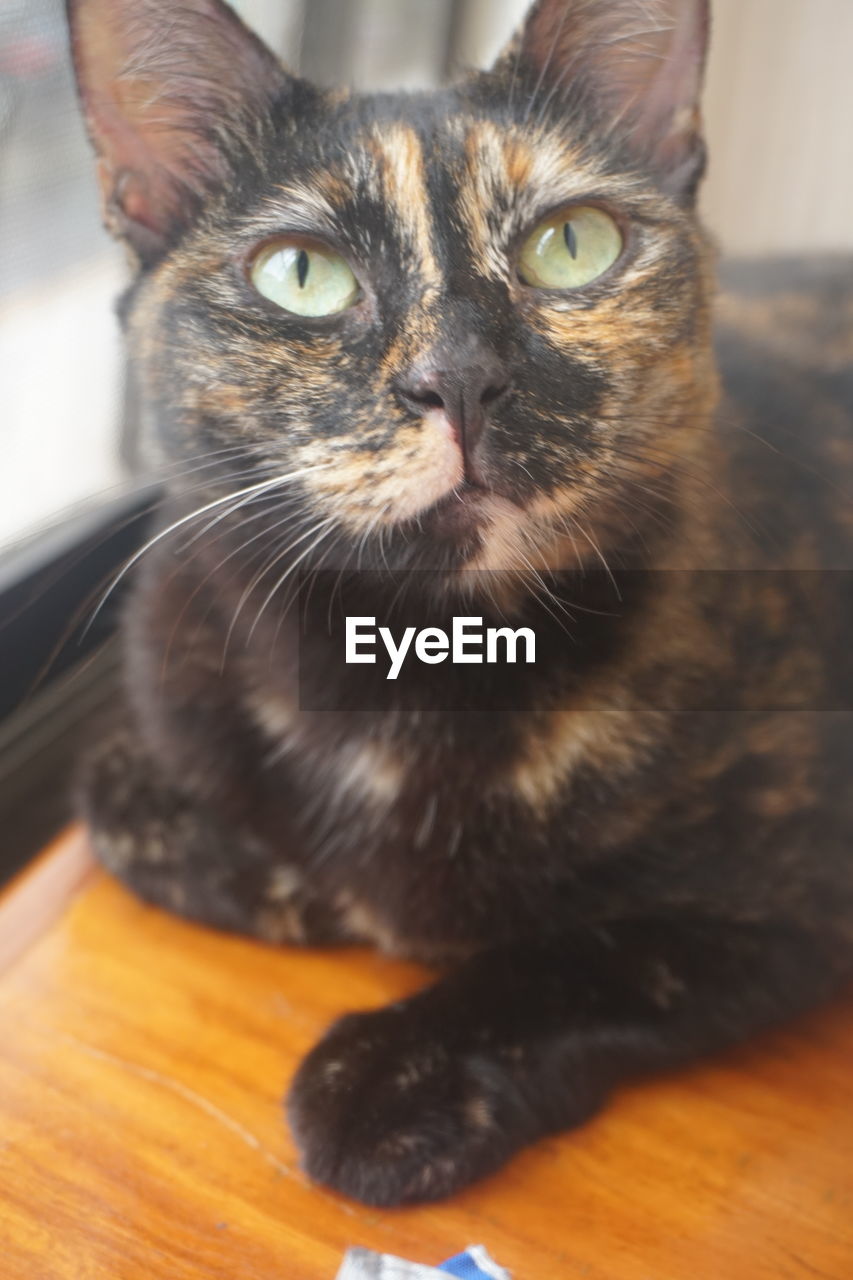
{"x":142,"y":1065}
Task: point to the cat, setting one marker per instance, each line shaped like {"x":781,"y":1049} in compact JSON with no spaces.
{"x":464,"y":341}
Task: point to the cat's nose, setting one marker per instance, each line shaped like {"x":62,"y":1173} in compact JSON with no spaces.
{"x":464,"y":387}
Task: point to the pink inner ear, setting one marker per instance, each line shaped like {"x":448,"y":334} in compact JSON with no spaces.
{"x":145,"y":202}
{"x":142,"y":182}
{"x":670,"y":99}
{"x":156,"y":78}
{"x":642,"y":59}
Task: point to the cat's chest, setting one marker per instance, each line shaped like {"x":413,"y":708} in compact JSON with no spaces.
{"x":439,"y":783}
{"x":365,"y":766}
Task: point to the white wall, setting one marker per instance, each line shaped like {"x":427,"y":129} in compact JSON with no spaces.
{"x":780,"y":123}
{"x":279,"y":22}
{"x":485,"y":26}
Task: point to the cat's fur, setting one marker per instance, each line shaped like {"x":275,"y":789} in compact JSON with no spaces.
{"x":645,"y":855}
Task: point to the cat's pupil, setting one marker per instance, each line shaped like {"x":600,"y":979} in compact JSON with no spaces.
{"x":570,"y":236}
{"x":303,"y":265}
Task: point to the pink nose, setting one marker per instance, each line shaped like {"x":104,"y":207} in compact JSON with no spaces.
{"x":464,"y":389}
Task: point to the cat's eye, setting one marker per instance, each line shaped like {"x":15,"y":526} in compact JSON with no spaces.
{"x":306,"y":279}
{"x":570,"y":249}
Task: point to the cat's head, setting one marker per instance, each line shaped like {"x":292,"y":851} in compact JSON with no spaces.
{"x":471,"y":325}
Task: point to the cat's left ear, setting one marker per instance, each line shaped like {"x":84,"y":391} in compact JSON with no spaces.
{"x":173,"y":91}
{"x":639,"y":64}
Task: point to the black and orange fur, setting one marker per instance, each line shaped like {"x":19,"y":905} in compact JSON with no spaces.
{"x":644,"y":855}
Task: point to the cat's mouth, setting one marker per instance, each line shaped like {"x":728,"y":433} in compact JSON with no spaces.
{"x":469,"y":510}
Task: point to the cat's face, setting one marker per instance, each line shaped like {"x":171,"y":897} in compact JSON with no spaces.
{"x":507,"y":361}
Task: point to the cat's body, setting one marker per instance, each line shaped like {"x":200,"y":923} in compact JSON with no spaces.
{"x":643,"y":854}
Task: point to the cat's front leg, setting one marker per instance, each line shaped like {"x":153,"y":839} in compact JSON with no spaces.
{"x":175,"y":852}
{"x":416,"y":1100}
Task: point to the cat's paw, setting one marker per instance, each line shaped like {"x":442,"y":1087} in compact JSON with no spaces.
{"x":385,"y":1111}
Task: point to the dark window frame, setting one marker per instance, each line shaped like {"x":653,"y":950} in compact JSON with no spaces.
{"x":59,"y":663}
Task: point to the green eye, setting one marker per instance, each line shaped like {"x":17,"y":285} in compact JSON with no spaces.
{"x":571,"y":249}
{"x":306,"y":279}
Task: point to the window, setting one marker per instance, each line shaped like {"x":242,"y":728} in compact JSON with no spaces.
{"x":60,"y":367}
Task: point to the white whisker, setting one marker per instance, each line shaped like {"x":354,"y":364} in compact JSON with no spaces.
{"x":185,"y":520}
{"x":321,"y":533}
{"x":258,"y":578}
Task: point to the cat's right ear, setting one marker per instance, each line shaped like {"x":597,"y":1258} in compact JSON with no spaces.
{"x":638,"y":63}
{"x":172,"y":92}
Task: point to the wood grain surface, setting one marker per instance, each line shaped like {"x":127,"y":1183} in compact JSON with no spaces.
{"x":142,"y":1065}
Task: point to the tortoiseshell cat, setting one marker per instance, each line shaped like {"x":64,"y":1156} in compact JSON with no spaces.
{"x":467,"y":335}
